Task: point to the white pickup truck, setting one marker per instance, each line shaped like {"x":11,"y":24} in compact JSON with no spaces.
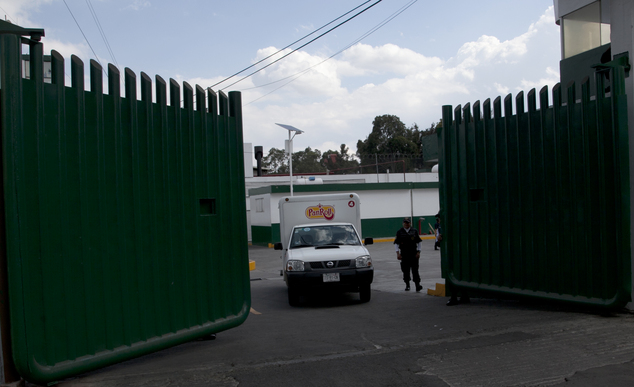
{"x":321,"y":245}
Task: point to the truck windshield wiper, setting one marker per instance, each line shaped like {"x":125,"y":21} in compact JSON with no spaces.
{"x":299,"y":246}
{"x":331,"y":246}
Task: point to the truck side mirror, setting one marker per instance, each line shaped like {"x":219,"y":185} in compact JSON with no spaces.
{"x":368,"y":241}
{"x":278,"y":246}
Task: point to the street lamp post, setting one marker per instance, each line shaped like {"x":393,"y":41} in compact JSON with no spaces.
{"x":290,"y":149}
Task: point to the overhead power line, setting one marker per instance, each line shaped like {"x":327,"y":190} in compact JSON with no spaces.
{"x":304,"y":45}
{"x":365,"y":35}
{"x":301,"y":73}
{"x":101,"y":31}
{"x":82,"y":32}
{"x":6,"y":15}
{"x":282,"y":49}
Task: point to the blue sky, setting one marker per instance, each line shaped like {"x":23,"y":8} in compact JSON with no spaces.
{"x":434,"y":53}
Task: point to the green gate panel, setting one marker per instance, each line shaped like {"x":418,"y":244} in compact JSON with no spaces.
{"x":537,"y":203}
{"x":125,"y":216}
{"x":265,"y":235}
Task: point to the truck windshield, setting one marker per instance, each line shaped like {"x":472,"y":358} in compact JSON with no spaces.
{"x":324,"y":236}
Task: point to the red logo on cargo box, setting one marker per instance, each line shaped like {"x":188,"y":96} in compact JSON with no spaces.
{"x":351,"y":203}
{"x":320,"y":212}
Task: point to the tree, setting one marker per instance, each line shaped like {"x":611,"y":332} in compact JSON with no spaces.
{"x":390,"y":135}
{"x":433,"y":129}
{"x":392,"y":140}
{"x":338,"y":160}
{"x":276,"y":161}
{"x":307,"y":161}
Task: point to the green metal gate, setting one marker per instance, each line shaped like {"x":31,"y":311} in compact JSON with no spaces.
{"x":125,"y":218}
{"x":538,"y":203}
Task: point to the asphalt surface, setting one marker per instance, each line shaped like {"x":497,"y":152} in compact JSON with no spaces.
{"x":397,"y":339}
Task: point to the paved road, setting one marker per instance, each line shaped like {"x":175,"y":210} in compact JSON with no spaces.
{"x":397,"y":339}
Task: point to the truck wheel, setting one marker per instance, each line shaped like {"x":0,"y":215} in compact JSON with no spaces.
{"x":293,"y":296}
{"x":365,"y":293}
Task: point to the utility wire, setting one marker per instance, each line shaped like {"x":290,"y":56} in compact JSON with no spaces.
{"x":365,"y":35}
{"x":6,"y":14}
{"x":282,"y":49}
{"x":103,"y":34}
{"x":82,"y":32}
{"x":302,"y":46}
{"x":301,"y":73}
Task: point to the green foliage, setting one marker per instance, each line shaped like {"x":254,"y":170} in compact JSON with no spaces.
{"x":339,"y":162}
{"x":307,"y":161}
{"x":276,"y":161}
{"x":433,"y":129}
{"x":393,"y":141}
{"x":391,"y":145}
{"x":389,"y":136}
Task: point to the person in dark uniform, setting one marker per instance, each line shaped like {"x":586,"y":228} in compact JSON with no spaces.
{"x":408,"y":246}
{"x":453,"y":300}
{"x":437,"y":232}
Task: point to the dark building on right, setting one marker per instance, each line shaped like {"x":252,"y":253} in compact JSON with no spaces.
{"x":536,"y":198}
{"x":596,"y":33}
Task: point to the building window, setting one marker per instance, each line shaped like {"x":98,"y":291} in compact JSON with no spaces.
{"x":26,"y":67}
{"x":259,"y":205}
{"x":583,"y":30}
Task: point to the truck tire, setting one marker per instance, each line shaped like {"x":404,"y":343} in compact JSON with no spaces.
{"x":293,"y":296}
{"x":365,"y":293}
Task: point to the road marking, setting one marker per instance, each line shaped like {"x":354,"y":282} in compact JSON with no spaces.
{"x":254,"y":311}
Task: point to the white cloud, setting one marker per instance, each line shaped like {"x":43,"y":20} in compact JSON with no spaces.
{"x":336,"y":101}
{"x":546,"y":19}
{"x":552,"y":77}
{"x":501,"y":89}
{"x":137,"y":5}
{"x":67,"y":49}
{"x":17,"y":11}
{"x":490,"y":50}
{"x":388,"y":58}
{"x":321,"y":80}
{"x":394,"y":80}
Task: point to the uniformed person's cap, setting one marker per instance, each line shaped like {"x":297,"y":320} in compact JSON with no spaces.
{"x":407,"y":220}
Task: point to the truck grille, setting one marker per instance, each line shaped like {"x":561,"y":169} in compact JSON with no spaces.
{"x":323,"y":265}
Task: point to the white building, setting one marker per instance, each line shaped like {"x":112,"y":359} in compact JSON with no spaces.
{"x":385,"y":199}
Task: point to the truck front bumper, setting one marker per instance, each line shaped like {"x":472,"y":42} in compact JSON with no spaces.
{"x":349,"y":279}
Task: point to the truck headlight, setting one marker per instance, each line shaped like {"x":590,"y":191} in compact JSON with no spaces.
{"x":293,"y":265}
{"x":364,"y":261}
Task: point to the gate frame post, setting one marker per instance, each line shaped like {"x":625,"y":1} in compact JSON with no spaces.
{"x":11,"y":39}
